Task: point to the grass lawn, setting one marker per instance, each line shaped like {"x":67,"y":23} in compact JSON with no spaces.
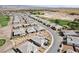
{"x":4,"y":20}
{"x":37,"y":13}
{"x":60,"y":22}
{"x":2,"y":42}
{"x":72,"y":24}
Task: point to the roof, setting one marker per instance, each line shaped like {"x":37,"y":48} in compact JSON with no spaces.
{"x":19,"y":31}
{"x":31,"y":29}
{"x":16,"y":19}
{"x":69,"y":32}
{"x":38,"y":39}
{"x":38,"y":27}
{"x":17,"y":25}
{"x":73,"y":40}
{"x":27,"y":47}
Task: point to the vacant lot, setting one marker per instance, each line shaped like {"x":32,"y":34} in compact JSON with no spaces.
{"x":59,"y":15}
{"x":4,"y":19}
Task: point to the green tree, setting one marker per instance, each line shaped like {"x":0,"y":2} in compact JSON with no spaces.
{"x":56,"y":21}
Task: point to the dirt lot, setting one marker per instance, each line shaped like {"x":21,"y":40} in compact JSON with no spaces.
{"x":59,"y":15}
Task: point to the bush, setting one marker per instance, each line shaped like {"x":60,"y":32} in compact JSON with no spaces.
{"x":2,"y":42}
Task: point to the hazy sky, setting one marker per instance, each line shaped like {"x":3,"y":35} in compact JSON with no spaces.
{"x":50,"y":6}
{"x":68,"y":6}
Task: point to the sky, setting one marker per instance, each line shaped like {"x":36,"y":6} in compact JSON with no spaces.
{"x":66,"y":6}
{"x":37,"y":6}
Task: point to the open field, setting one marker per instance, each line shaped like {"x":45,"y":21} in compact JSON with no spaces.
{"x":60,"y":14}
{"x":70,"y":10}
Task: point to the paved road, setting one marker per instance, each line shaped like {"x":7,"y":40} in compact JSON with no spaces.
{"x":57,"y":39}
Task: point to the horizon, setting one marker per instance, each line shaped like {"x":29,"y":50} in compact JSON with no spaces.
{"x":40,"y":6}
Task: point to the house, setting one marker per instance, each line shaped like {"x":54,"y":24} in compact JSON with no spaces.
{"x":41,"y":40}
{"x":69,"y":33}
{"x":70,"y":40}
{"x":31,"y":30}
{"x":19,"y":31}
{"x":16,"y":26}
{"x":16,"y":20}
{"x":26,"y":25}
{"x":55,"y":26}
{"x":28,"y":47}
{"x":39,"y":28}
